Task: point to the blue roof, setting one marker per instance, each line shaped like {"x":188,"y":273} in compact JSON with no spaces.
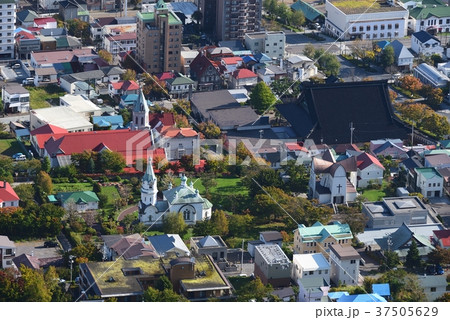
{"x":424,"y":36}
{"x":248,"y":59}
{"x":261,"y":57}
{"x":105,"y":121}
{"x":382,"y":289}
{"x":129,"y":98}
{"x":371,"y":297}
{"x":382,"y":44}
{"x":337,"y":295}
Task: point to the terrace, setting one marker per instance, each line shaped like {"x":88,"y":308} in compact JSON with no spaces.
{"x":364,"y":6}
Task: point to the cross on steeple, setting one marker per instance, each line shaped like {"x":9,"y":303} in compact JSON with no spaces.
{"x":339,"y":188}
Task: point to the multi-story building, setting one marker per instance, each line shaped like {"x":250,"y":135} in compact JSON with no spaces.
{"x":429,"y":182}
{"x":344,"y":265}
{"x":15,"y":98}
{"x":271,"y":43}
{"x":431,"y":18}
{"x":7,"y":26}
{"x":359,"y":19}
{"x":309,"y":266}
{"x":272,"y":265}
{"x":159,"y":36}
{"x":230,"y":19}
{"x":120,"y":43}
{"x":7,"y":252}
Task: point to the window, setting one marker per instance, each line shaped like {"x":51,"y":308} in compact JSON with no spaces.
{"x":382,"y":27}
{"x":311,"y":273}
{"x":352,"y":261}
{"x":433,"y":289}
{"x":389,"y":26}
{"x":375,"y":28}
{"x":368,"y":28}
{"x":396,"y":26}
{"x":8,"y":252}
{"x":361,"y":28}
{"x":354,"y":29}
{"x":440,"y":21}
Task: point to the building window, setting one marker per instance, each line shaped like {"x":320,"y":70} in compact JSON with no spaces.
{"x":433,"y":289}
{"x":361,"y":28}
{"x":311,"y":273}
{"x":375,"y":28}
{"x":382,"y":27}
{"x":389,"y":26}
{"x":8,"y":252}
{"x":352,"y":261}
{"x":354,"y":29}
{"x":368,"y":28}
{"x":396,"y":26}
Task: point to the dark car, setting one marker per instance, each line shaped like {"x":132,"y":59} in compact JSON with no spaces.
{"x":439,"y":269}
{"x":50,"y":244}
{"x":430,"y":270}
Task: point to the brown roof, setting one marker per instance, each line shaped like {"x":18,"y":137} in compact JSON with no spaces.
{"x":133,"y":246}
{"x":349,"y":164}
{"x":344,"y":253}
{"x":271,"y":236}
{"x":321,"y":166}
{"x":28,"y":261}
{"x":46,"y":71}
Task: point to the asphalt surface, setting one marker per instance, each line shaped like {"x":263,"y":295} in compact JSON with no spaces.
{"x":37,"y":249}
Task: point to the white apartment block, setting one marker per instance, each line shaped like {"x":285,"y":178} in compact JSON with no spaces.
{"x":312,"y":265}
{"x":271,"y":43}
{"x":344,"y":265}
{"x":381,"y":21}
{"x":7,"y":27}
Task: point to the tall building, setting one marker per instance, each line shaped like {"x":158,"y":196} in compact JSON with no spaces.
{"x":7,"y":26}
{"x":159,"y":36}
{"x":230,"y":19}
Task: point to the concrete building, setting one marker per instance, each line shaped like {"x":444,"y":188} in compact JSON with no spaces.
{"x":433,"y":286}
{"x":210,"y":245}
{"x":362,"y":20}
{"x":271,"y":43}
{"x":159,"y":36}
{"x":62,"y":117}
{"x":344,"y":265}
{"x":7,"y":26}
{"x":393,"y":212}
{"x":80,"y":104}
{"x":272,"y":265}
{"x":430,"y":75}
{"x":432,"y":17}
{"x":230,"y":19}
{"x":313,"y":265}
{"x":300,"y":67}
{"x":124,"y":42}
{"x":7,"y":252}
{"x":15,"y":98}
{"x":429,"y":182}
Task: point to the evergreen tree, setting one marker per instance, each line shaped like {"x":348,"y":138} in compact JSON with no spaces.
{"x":262,"y":98}
{"x":412,"y":257}
{"x":46,"y":164}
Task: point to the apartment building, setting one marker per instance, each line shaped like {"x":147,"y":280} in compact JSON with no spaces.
{"x":7,"y":252}
{"x":159,"y":36}
{"x":271,"y":43}
{"x":7,"y":26}
{"x":230,"y":19}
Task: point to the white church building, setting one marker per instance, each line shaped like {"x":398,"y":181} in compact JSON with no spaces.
{"x":183,"y":198}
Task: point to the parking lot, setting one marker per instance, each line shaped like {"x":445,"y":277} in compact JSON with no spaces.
{"x":11,"y":75}
{"x":37,"y":249}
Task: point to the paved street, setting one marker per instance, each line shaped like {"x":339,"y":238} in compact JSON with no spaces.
{"x":37,"y":249}
{"x":21,"y":117}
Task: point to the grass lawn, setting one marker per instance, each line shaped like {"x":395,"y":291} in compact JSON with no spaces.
{"x":112,"y":194}
{"x":8,"y":147}
{"x":225,"y":186}
{"x":69,"y":187}
{"x":239,"y":282}
{"x":376,"y":194}
{"x":40,"y":96}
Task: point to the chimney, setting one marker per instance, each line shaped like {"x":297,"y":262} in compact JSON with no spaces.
{"x":2,"y":184}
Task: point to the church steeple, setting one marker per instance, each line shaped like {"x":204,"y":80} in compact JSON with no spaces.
{"x":149,"y":175}
{"x":141,"y":112}
{"x":149,"y":189}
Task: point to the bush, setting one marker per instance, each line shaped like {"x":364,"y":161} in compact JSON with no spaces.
{"x":91,"y":231}
{"x":90,"y":180}
{"x":103,"y":179}
{"x":116,"y":179}
{"x":74,"y":180}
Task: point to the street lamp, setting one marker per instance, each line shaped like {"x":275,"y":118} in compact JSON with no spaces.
{"x":71,"y":257}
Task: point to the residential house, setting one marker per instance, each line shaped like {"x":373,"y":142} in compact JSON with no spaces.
{"x":441,"y":238}
{"x":108,"y":122}
{"x":25,"y":18}
{"x":270,"y":73}
{"x":7,"y":252}
{"x":382,"y":289}
{"x":300,"y":67}
{"x":49,"y":4}
{"x":45,"y":76}
{"x":243,"y":77}
{"x":370,"y":170}
{"x":429,"y":182}
{"x":80,"y":201}
{"x":210,"y":245}
{"x":62,"y":117}
{"x":169,"y":243}
{"x":45,"y":23}
{"x":176,"y":142}
{"x":424,"y":43}
{"x":15,"y":98}
{"x":38,"y":144}
{"x":74,"y":9}
{"x":433,"y":286}
{"x":271,"y":237}
{"x":400,"y":241}
{"x":26,"y":42}
{"x":8,"y":197}
{"x":59,"y":59}
{"x":392,"y":212}
{"x":128,"y":247}
{"x":231,"y":64}
{"x":271,"y":43}
{"x":286,"y":294}
{"x":357,"y":22}
{"x":181,"y":87}
{"x":28,"y":261}
{"x":403,"y":58}
{"x":388,"y":147}
{"x":344,"y":265}
{"x":438,"y":161}
{"x":368,"y":297}
{"x":123,"y":87}
{"x":123,"y":42}
{"x":206,"y":73}
{"x":318,"y":238}
{"x":313,"y":289}
{"x":272,"y":265}
{"x":430,"y":16}
{"x":187,"y":56}
{"x":313,"y":265}
{"x":128,"y":100}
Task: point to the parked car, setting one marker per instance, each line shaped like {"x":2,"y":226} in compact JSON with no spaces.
{"x":439,"y":269}
{"x":50,"y":244}
{"x":19,"y":157}
{"x":314,"y":26}
{"x":28,"y":81}
{"x":16,"y":66}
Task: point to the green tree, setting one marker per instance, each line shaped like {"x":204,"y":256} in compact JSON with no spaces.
{"x":411,"y":290}
{"x":354,"y":218}
{"x":391,"y":261}
{"x":299,"y":176}
{"x":112,"y":161}
{"x":86,"y":252}
{"x":309,"y":51}
{"x":163,"y":283}
{"x":439,"y":255}
{"x":387,"y":57}
{"x":208,"y":182}
{"x":167,"y":295}
{"x":79,"y":28}
{"x":330,"y":64}
{"x":255,"y":289}
{"x":284,"y":12}
{"x":102,"y":200}
{"x":410,"y":83}
{"x":220,"y":222}
{"x":297,"y":18}
{"x":6,"y":169}
{"x":126,"y":115}
{"x":44,"y":181}
{"x":174,"y":223}
{"x":46,"y":164}
{"x":209,"y":129}
{"x":203,"y":227}
{"x":129,"y":75}
{"x":413,"y":259}
{"x":436,"y":124}
{"x":105,"y":55}
{"x":35,"y":288}
{"x":262,"y":98}
{"x":285,"y":87}
{"x":25,"y":192}
{"x":433,"y":96}
{"x":240,"y":224}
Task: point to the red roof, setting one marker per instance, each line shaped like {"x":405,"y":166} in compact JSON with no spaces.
{"x":23,"y":35}
{"x":7,"y":193}
{"x":364,"y":160}
{"x":244,"y":74}
{"x":200,"y":64}
{"x":175,"y":132}
{"x":292,"y":146}
{"x":165,"y":76}
{"x":48,"y":128}
{"x":123,"y":36}
{"x":41,"y":21}
{"x":34,"y":29}
{"x":127,"y":85}
{"x":232,"y":60}
{"x":115,"y":140}
{"x":167,"y":119}
{"x":441,"y":234}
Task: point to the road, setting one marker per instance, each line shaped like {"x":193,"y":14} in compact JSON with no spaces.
{"x":21,"y":117}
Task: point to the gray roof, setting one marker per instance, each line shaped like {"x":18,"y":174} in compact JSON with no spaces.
{"x":88,"y":75}
{"x":14,"y":88}
{"x":400,"y":51}
{"x":112,"y":70}
{"x":166,"y":242}
{"x":347,"y":252}
{"x":432,"y":72}
{"x":271,"y":236}
{"x":208,"y":241}
{"x":314,"y":283}
{"x":53,"y":32}
{"x":432,"y":281}
{"x":6,"y":243}
{"x":401,"y":237}
{"x":424,"y":36}
{"x":26,"y":15}
{"x":437,"y":160}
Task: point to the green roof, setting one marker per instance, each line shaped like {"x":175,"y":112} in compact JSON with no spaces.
{"x":184,"y":194}
{"x":7,"y":1}
{"x":146,"y":16}
{"x":173,"y":18}
{"x":52,"y":198}
{"x":62,"y":42}
{"x":212,"y":278}
{"x":318,"y":232}
{"x":364,"y":6}
{"x":77,"y":197}
{"x":425,"y":13}
{"x":428,"y":173}
{"x":180,"y":81}
{"x":83,"y":13}
{"x":445,"y":144}
{"x":309,"y":12}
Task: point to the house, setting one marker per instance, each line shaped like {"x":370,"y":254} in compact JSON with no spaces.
{"x":48,"y":4}
{"x":79,"y":201}
{"x":430,"y":75}
{"x":176,"y":142}
{"x":364,"y":104}
{"x":441,"y":238}
{"x":430,"y":16}
{"x":80,"y":104}
{"x":403,"y":58}
{"x":123,"y":87}
{"x":318,"y":238}
{"x":388,"y":147}
{"x":271,"y":237}
{"x":181,"y":87}
{"x":7,"y":252}
{"x":8,"y":197}
{"x":368,"y":297}
{"x":243,"y":77}
{"x":271,"y":43}
{"x":433,"y":286}
{"x":74,"y":9}
{"x":59,"y":59}
{"x":344,"y":265}
{"x":128,"y":247}
{"x":392,"y":212}
{"x":25,"y":18}
{"x":128,"y":100}
{"x":186,"y":58}
{"x":401,"y":239}
{"x":382,"y":289}
{"x":183,"y":198}
{"x":26,"y":42}
{"x":169,"y":243}
{"x":27,"y":261}
{"x":108,"y":122}
{"x":45,"y":23}
{"x":206,"y":73}
{"x":358,"y":21}
{"x":313,"y":265}
{"x":210,"y":245}
{"x":270,"y":73}
{"x":15,"y":98}
{"x":313,"y":289}
{"x":123,"y":42}
{"x":424,"y":43}
{"x":299,"y":67}
{"x":272,"y":265}
{"x":62,"y":117}
{"x":438,"y":161}
{"x":231,"y":64}
{"x":45,"y":129}
{"x":370,"y":170}
{"x":284,"y":294}
{"x":429,"y":182}
{"x":45,"y":76}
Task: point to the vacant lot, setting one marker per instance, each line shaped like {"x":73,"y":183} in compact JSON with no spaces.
{"x":40,"y":97}
{"x":71,"y":187}
{"x":8,"y":147}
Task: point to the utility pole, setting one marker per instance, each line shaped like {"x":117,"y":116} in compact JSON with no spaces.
{"x":351,"y":132}
{"x":412,"y":134}
{"x":242,"y":255}
{"x":71,"y":264}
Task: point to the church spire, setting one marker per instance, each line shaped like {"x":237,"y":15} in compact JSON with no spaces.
{"x":149,"y":175}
